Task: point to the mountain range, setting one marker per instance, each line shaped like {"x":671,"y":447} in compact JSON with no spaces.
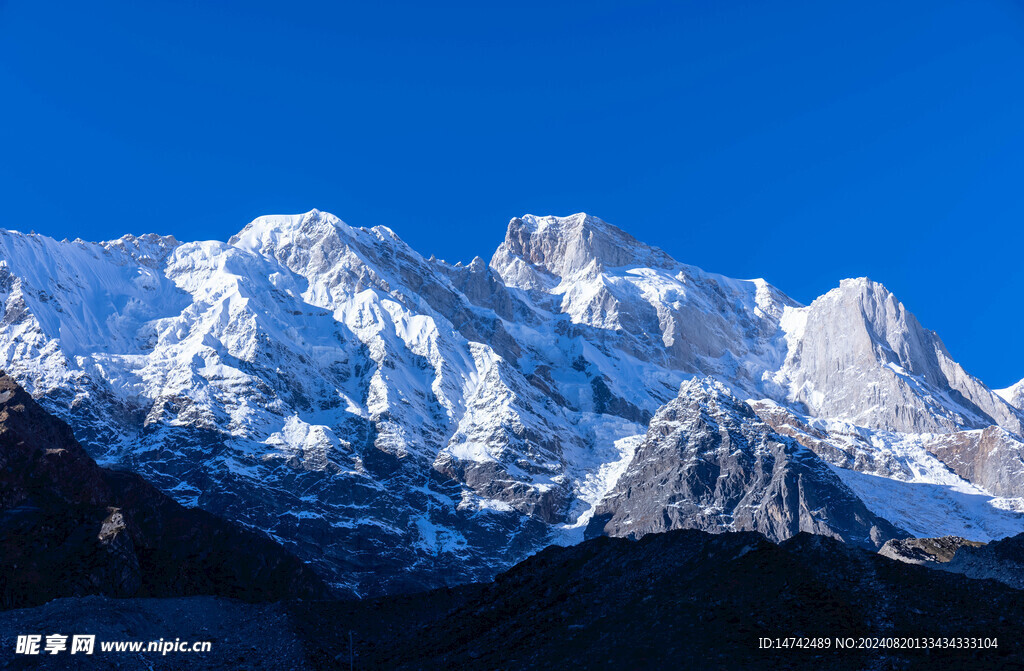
{"x":399,"y":422}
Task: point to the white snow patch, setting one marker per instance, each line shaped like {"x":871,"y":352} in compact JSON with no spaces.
{"x":928,"y":510}
{"x":596,"y":474}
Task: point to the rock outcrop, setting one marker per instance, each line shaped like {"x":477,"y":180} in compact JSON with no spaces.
{"x":925,"y":551}
{"x":992,"y":458}
{"x":708,"y":462}
{"x":1001,"y":560}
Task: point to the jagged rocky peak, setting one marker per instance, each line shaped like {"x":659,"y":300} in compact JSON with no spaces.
{"x":877,"y":327}
{"x":710,"y":396}
{"x":858,"y":354}
{"x":708,"y":462}
{"x":309,"y":377}
{"x":562,"y":246}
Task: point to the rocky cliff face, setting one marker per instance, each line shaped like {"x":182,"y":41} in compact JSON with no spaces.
{"x":991,"y":457}
{"x":404,"y":423}
{"x":857,"y":354}
{"x":632,"y":301}
{"x":70,"y":528}
{"x":708,"y":462}
{"x":903,"y":475}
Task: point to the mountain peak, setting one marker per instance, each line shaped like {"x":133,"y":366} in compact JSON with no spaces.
{"x":857,"y":282}
{"x":703,"y":390}
{"x":577,"y":220}
{"x":710,"y":398}
{"x":862,"y":285}
{"x":865,"y":358}
{"x":863,"y":298}
{"x":562,"y":246}
{"x":272,"y":229}
{"x":708,"y":462}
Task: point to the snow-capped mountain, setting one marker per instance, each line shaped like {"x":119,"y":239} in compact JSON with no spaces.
{"x":402,"y":422}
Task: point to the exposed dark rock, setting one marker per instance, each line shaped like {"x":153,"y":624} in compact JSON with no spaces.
{"x":1001,"y":560}
{"x":925,"y":550}
{"x":708,"y":462}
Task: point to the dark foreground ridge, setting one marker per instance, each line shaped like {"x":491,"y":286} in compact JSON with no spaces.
{"x":681,"y":599}
{"x":71,"y":528}
{"x":1001,"y":560}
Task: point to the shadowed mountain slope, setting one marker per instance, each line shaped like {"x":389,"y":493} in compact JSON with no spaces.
{"x":71,"y":528}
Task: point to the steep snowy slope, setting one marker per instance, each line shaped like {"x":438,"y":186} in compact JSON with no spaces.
{"x":294,"y":380}
{"x":900,"y":477}
{"x":1014,"y":395}
{"x":402,"y":422}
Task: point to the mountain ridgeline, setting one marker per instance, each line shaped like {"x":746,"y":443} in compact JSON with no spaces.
{"x":401,"y":423}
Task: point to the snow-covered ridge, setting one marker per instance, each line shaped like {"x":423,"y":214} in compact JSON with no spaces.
{"x":390,"y":415}
{"x":1013,"y":395}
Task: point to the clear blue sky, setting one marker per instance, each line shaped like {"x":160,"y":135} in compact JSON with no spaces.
{"x":802,"y":142}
